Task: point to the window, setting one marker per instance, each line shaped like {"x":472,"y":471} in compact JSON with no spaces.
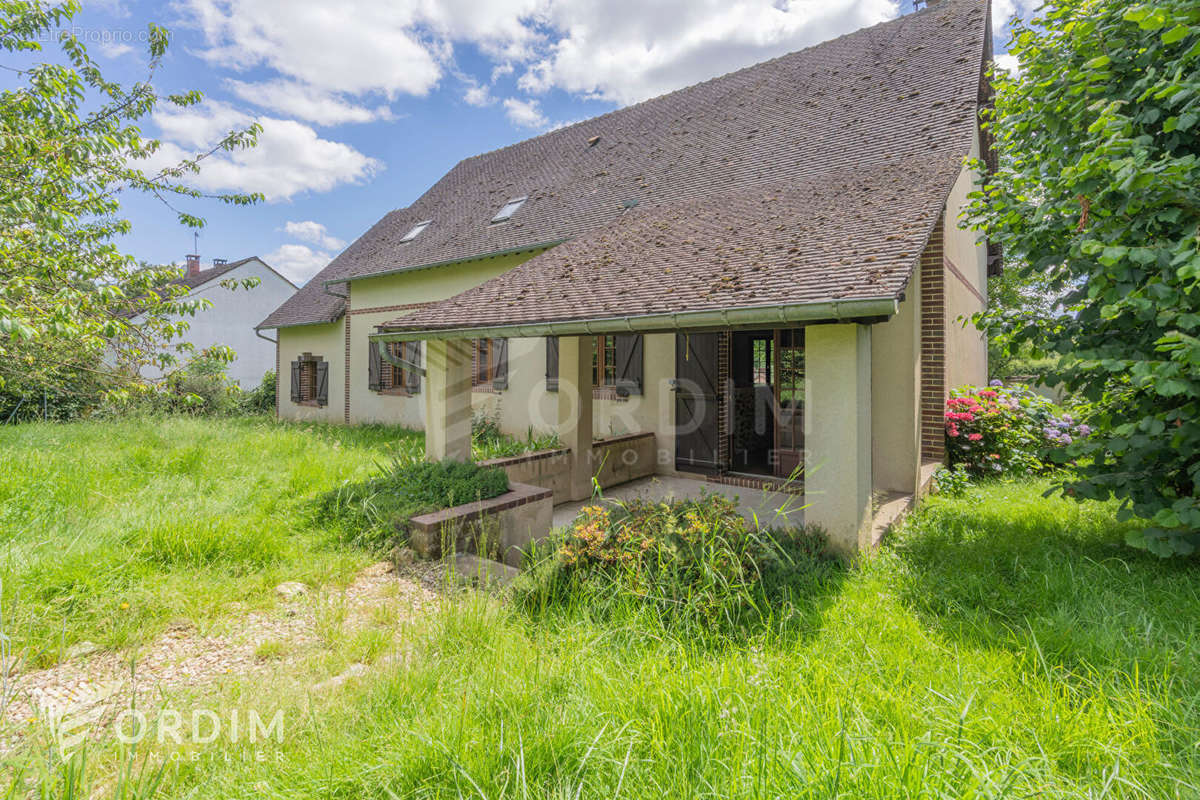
{"x":509,"y":209}
{"x":490,"y":362}
{"x":391,"y":377}
{"x":383,"y":375}
{"x":604,"y":361}
{"x":415,"y":231}
{"x":310,"y":380}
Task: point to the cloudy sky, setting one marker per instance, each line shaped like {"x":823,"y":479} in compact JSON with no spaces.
{"x":365,"y":103}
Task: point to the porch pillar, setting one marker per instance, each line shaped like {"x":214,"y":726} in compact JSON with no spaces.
{"x":448,"y":400}
{"x":837,"y":433}
{"x":575,"y":411}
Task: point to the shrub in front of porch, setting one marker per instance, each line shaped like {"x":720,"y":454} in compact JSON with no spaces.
{"x":693,"y":562}
{"x":374,"y":512}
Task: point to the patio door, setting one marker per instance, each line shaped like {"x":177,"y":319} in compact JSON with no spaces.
{"x":696,"y":401}
{"x":789,"y":401}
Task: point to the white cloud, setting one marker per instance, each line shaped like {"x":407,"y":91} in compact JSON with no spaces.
{"x":354,"y":46}
{"x":290,"y":157}
{"x":305,"y":102}
{"x":1008,"y":63}
{"x":478,"y":96}
{"x":628,"y":50}
{"x":619,"y":50}
{"x":297,"y":262}
{"x":115,"y":50}
{"x":525,"y":113}
{"x":314,"y":233}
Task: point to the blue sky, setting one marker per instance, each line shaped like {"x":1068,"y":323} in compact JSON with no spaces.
{"x":365,"y":104}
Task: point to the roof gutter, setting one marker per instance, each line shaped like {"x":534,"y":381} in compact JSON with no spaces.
{"x":755,"y":316}
{"x":449,"y":262}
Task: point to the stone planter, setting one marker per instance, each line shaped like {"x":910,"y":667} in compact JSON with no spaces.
{"x":499,"y":528}
{"x":614,"y":460}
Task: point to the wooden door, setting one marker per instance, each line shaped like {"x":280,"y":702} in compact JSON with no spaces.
{"x":696,"y":401}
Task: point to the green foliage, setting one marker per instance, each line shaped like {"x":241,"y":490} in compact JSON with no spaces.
{"x":696,"y":563}
{"x":487,"y":440}
{"x":113,"y":529}
{"x":374,"y":512}
{"x":998,"y":430}
{"x":261,"y":399}
{"x":1004,"y":646}
{"x":1097,"y":199}
{"x":70,"y":147}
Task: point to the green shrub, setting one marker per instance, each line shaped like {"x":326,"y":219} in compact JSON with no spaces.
{"x":696,"y":563}
{"x":1006,"y":430}
{"x":375,"y":512}
{"x":488,"y":441}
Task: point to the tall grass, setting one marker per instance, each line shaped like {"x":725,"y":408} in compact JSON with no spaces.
{"x":110,"y":530}
{"x":1004,"y":645}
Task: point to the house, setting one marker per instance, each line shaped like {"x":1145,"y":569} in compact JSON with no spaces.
{"x":764,"y":270}
{"x":234,"y":312}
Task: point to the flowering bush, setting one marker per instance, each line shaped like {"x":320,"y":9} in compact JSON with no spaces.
{"x":1002,"y":430}
{"x":694,"y":561}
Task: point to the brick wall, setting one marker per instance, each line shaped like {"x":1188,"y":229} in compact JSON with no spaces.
{"x":933,"y":348}
{"x":346,"y":375}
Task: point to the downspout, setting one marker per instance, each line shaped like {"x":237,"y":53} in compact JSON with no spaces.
{"x":258,"y":333}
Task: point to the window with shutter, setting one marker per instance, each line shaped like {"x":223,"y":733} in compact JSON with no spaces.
{"x":310,"y":380}
{"x":629,"y":379}
{"x":490,"y":364}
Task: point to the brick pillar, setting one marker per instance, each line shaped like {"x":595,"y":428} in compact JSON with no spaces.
{"x":933,"y":348}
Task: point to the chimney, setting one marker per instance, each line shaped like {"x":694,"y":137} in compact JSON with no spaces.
{"x":193,"y":265}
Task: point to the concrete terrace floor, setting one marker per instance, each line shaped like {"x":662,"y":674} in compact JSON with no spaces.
{"x":773,"y":509}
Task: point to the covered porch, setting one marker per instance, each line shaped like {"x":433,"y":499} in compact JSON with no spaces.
{"x":828,"y":447}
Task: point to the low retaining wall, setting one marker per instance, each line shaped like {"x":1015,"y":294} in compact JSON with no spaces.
{"x":500,"y":528}
{"x":615,"y":460}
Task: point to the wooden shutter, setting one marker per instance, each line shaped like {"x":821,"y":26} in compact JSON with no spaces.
{"x":629,"y":364}
{"x":374,"y":366}
{"x":412,"y":378}
{"x":295,"y":381}
{"x":500,"y":364}
{"x":322,"y":383}
{"x":551,"y":363}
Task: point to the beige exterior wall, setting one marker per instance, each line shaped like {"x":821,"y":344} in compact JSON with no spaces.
{"x":896,"y":396}
{"x":403,"y":289}
{"x":327,"y":341}
{"x":837,"y":433}
{"x":966,"y":346}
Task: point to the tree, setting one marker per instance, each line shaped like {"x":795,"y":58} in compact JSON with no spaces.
{"x":69,"y":147}
{"x":1097,"y":197}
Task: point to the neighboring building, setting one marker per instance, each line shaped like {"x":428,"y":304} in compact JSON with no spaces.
{"x":765,"y":270}
{"x":231,"y":318}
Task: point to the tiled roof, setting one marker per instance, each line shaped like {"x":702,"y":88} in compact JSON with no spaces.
{"x":205,"y":275}
{"x":893,"y":102}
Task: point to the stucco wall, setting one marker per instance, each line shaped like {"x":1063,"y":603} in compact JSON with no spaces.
{"x":327,"y":341}
{"x":965,"y":289}
{"x":896,"y":396}
{"x":231,"y":319}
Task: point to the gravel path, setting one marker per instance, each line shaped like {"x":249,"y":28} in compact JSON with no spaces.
{"x":92,"y":687}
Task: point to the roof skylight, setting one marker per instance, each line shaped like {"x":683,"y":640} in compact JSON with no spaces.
{"x":415,"y":231}
{"x":509,"y":209}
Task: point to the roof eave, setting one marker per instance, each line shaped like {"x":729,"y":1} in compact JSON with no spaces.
{"x":449,"y":262}
{"x":871,"y":308}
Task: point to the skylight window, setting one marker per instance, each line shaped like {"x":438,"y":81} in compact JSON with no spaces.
{"x":509,"y":209}
{"x":415,"y":231}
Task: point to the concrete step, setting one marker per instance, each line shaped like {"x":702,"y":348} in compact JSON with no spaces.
{"x":484,"y":570}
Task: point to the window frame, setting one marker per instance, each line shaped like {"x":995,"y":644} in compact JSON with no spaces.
{"x":415,"y":231}
{"x":516,"y":204}
{"x":393,"y":379}
{"x":604,"y":372}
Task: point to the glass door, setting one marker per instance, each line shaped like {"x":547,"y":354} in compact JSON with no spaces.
{"x":789,"y":402}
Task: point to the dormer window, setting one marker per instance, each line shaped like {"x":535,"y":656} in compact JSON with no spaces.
{"x":509,"y":209}
{"x":415,"y":231}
